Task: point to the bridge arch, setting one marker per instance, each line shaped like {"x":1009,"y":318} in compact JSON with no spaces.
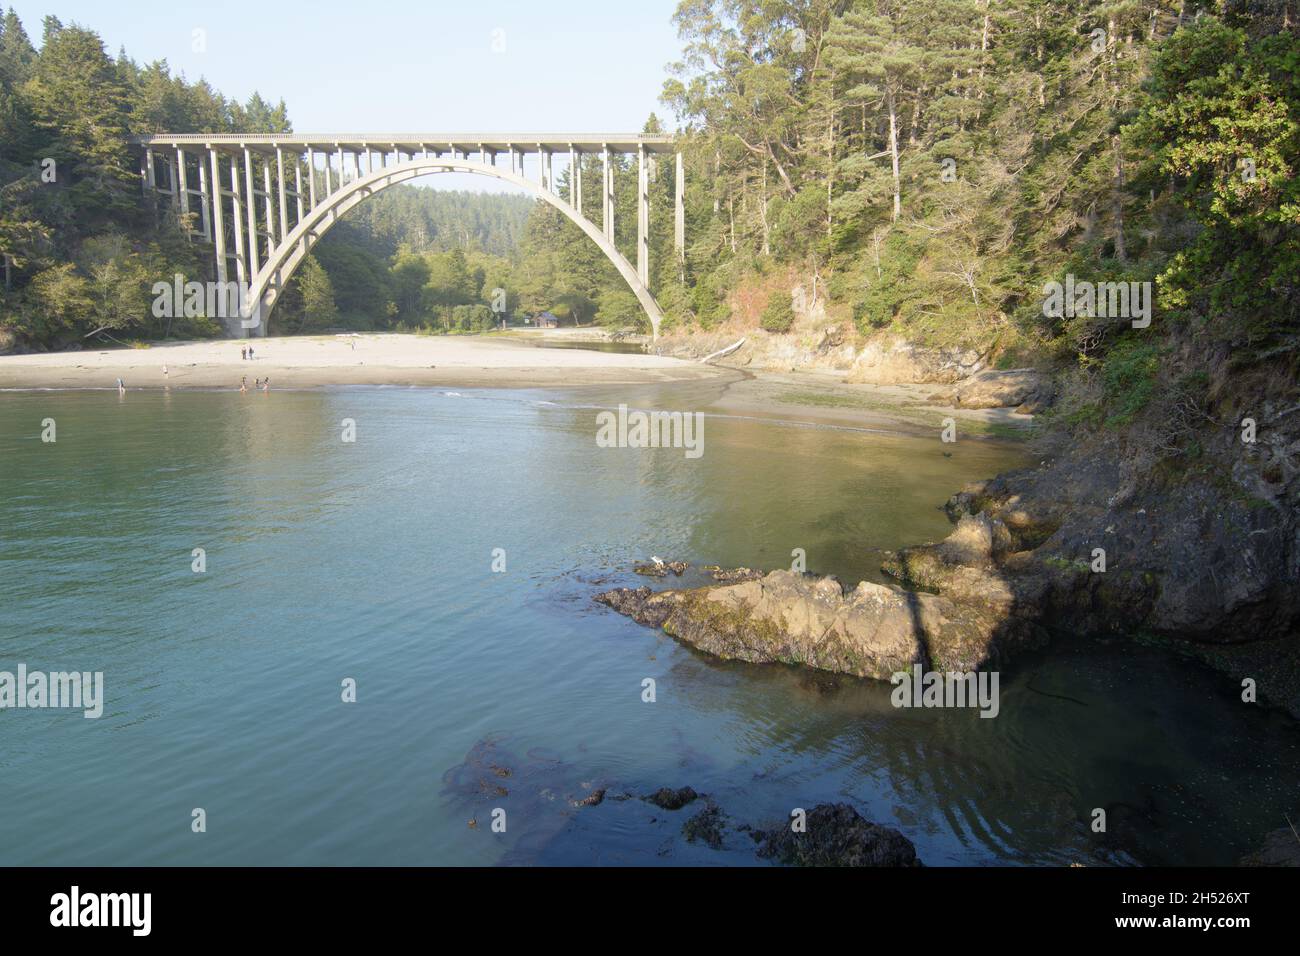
{"x":270,"y":280}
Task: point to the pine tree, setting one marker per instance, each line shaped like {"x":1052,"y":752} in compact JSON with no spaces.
{"x":318,"y":306}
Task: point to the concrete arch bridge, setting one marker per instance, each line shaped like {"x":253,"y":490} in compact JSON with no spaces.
{"x":263,"y":201}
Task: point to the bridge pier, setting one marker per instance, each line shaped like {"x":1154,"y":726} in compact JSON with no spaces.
{"x":607,"y":192}
{"x":642,"y":218}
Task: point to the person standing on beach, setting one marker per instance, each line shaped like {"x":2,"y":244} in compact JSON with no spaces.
{"x":243,"y":352}
{"x":250,"y":353}
{"x":243,"y":384}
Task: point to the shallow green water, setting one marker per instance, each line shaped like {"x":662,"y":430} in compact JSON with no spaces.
{"x":373,"y":561}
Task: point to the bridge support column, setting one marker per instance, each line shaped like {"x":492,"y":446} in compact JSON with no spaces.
{"x":679,"y":212}
{"x":250,"y":207}
{"x":268,"y":207}
{"x":218,"y":214}
{"x":311,"y":175}
{"x":205,"y":197}
{"x":284,"y":199}
{"x":270,"y":223}
{"x":577,"y":182}
{"x":642,"y":217}
{"x":573,"y":179}
{"x":172,"y":189}
{"x":242,"y":272}
{"x":607,"y":196}
{"x":183,"y":184}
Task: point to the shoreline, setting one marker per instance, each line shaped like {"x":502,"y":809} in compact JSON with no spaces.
{"x":362,"y":359}
{"x":397,"y":360}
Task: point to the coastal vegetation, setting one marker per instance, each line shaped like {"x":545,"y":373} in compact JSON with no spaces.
{"x":920,"y":170}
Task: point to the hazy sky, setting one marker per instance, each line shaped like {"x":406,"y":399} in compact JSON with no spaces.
{"x":572,"y":65}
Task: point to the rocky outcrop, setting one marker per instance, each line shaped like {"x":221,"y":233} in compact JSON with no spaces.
{"x":884,"y":360}
{"x":836,"y":835}
{"x":990,"y":388}
{"x":872,"y":631}
{"x":896,"y":361}
{"x":1199,"y":564}
{"x":1101,"y":540}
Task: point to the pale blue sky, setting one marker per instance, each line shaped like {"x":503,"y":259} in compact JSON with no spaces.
{"x":572,"y":65}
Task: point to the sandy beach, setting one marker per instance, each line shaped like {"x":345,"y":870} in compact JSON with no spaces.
{"x":364,"y":359}
{"x":507,"y":362}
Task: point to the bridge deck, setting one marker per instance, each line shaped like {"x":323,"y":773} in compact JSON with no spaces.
{"x":415,"y":142}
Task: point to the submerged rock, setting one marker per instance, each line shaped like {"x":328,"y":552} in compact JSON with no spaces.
{"x":668,"y":799}
{"x":733,"y":575}
{"x":657,"y":568}
{"x":1281,"y":848}
{"x":836,"y":835}
{"x":707,"y":827}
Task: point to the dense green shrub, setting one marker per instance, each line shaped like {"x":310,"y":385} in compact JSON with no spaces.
{"x":779,"y":314}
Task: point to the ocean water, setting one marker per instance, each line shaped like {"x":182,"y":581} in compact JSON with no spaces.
{"x":481,"y":691}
